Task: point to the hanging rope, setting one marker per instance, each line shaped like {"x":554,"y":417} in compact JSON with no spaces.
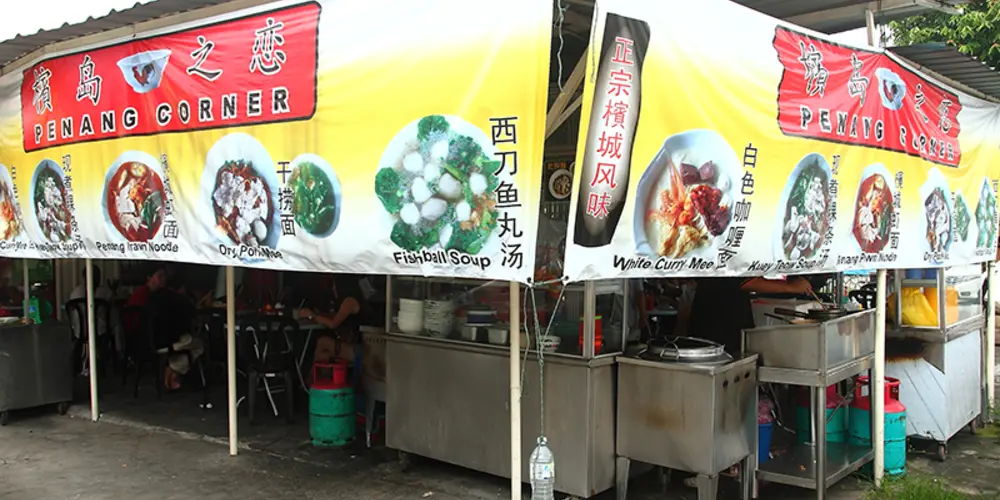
{"x":539,"y":348}
{"x":560,"y":19}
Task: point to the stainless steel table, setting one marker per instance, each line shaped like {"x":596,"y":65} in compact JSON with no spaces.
{"x":815,"y":355}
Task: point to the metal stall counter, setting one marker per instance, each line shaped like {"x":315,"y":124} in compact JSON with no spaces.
{"x":447,"y":375}
{"x":816,"y":355}
{"x":35,"y":366}
{"x":934,"y":347}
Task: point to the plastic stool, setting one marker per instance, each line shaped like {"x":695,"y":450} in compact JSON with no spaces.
{"x":374,"y":393}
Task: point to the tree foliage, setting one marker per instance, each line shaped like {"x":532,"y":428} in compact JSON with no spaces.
{"x":975,"y":32}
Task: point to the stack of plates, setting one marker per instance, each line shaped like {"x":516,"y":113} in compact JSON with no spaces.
{"x":411,"y":316}
{"x":439,"y":318}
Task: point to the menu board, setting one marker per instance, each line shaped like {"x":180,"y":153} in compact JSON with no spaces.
{"x":288,"y":137}
{"x":774,"y":152}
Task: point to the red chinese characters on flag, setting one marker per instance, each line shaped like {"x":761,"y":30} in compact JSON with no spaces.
{"x":609,"y":147}
{"x":251,"y":70}
{"x":841,"y":94}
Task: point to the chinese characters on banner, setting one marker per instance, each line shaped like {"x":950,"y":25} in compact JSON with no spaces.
{"x":222,"y":75}
{"x":738,"y":166}
{"x":853,"y":96}
{"x":248,"y":139}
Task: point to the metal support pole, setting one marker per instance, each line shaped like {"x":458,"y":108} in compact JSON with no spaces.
{"x":27,"y":291}
{"x":515,"y":390}
{"x":819,"y":420}
{"x":878,"y":381}
{"x":991,"y":336}
{"x":56,"y":274}
{"x":95,"y":412}
{"x":231,"y":357}
{"x":870,"y":25}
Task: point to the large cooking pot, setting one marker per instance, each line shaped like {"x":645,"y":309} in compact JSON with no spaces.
{"x":820,"y":315}
{"x":686,"y":350}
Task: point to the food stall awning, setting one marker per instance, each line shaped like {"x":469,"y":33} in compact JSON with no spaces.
{"x":835,"y":16}
{"x":948,"y":62}
{"x":22,"y":45}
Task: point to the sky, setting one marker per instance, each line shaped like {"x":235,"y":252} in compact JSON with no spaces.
{"x":27,"y":21}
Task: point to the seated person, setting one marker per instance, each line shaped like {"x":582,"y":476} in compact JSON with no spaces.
{"x":344,"y":320}
{"x":156,"y":280}
{"x":171,"y":316}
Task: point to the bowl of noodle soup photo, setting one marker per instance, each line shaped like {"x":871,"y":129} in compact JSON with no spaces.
{"x":239,"y":191}
{"x":801,"y":228}
{"x":134,"y":199}
{"x":50,"y":203}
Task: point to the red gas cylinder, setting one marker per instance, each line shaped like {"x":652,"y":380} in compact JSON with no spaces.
{"x":862,"y":401}
{"x":833,"y":398}
{"x":330,"y":376}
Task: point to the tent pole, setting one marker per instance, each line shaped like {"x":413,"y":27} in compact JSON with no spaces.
{"x":92,"y":343}
{"x":515,"y":391}
{"x":991,"y":337}
{"x":878,"y":384}
{"x":27,"y":290}
{"x":231,"y":357}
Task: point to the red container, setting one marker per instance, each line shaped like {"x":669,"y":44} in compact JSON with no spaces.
{"x":330,"y":376}
{"x":598,"y":334}
{"x":833,"y":399}
{"x":863,"y":390}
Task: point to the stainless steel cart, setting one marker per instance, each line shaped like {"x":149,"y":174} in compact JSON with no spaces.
{"x":35,"y":367}
{"x":815,"y":355}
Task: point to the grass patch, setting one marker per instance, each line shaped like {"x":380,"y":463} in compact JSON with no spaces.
{"x":915,"y":488}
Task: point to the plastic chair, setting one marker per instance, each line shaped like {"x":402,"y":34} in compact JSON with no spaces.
{"x":76,"y":310}
{"x":270,"y":359}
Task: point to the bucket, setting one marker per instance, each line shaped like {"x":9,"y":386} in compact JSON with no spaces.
{"x":764,"y":442}
{"x":332,"y":419}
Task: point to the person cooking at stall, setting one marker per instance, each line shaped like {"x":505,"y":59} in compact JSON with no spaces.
{"x":721,"y":307}
{"x":344,"y":320}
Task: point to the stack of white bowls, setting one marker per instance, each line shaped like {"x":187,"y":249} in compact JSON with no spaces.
{"x":439,"y":318}
{"x":411,"y":316}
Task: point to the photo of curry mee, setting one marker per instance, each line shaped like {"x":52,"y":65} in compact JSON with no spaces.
{"x":49,"y":201}
{"x":10,"y":219}
{"x":806,"y":212}
{"x":873,"y":214}
{"x":242,"y":203}
{"x":693,"y":209}
{"x":136,"y":201}
{"x":938,"y":220}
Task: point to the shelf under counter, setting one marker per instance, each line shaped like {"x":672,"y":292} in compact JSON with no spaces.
{"x":798,"y":467}
{"x":936,"y":334}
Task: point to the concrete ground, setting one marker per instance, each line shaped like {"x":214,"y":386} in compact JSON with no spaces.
{"x":149,"y":448}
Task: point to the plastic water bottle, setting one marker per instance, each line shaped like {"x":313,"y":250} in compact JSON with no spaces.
{"x":542,"y":468}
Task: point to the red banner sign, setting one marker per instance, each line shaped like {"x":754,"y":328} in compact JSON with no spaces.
{"x":841,"y":94}
{"x":256,"y":69}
